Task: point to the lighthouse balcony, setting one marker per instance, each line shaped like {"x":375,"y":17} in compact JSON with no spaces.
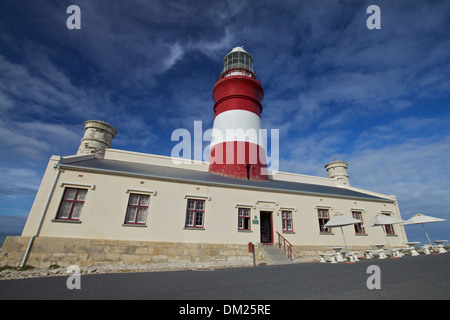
{"x":238,"y":72}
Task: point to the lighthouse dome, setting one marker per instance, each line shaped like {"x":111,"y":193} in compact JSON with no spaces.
{"x":238,"y":49}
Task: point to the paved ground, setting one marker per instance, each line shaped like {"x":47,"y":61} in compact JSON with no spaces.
{"x":422,"y":277}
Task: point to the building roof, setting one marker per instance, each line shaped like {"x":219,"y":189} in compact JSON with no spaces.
{"x":166,"y":173}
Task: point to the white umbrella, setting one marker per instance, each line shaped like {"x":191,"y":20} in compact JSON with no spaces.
{"x":381,"y":220}
{"x":421,"y":219}
{"x":341,"y":221}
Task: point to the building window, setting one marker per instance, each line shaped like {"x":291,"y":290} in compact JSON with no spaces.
{"x":389,"y":227}
{"x":71,"y":204}
{"x":243,"y":218}
{"x":286,"y":220}
{"x":358,"y":226}
{"x":195,"y":213}
{"x":323,"y":219}
{"x":137,"y":209}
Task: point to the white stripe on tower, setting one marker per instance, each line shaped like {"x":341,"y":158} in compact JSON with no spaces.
{"x":236,"y":125}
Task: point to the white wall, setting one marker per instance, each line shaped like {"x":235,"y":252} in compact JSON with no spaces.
{"x":105,"y":206}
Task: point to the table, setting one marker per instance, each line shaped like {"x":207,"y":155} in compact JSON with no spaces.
{"x":440,"y":245}
{"x":426,"y":248}
{"x":381,"y":254}
{"x":339,"y":255}
{"x":412,"y":248}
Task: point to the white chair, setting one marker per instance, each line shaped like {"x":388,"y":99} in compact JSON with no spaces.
{"x":381,"y":254}
{"x":352,"y":256}
{"x":397,"y":252}
{"x":426,"y":249}
{"x":413,"y":251}
{"x":332,"y":257}
{"x":368,"y":254}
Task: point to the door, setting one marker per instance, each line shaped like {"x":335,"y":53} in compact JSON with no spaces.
{"x":266,"y":227}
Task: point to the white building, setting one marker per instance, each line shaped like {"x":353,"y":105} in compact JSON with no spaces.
{"x":113,"y":206}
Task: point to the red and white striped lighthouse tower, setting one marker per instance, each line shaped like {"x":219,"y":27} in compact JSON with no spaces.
{"x":237,"y":149}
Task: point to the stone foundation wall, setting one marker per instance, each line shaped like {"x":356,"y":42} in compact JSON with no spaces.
{"x":47,"y":251}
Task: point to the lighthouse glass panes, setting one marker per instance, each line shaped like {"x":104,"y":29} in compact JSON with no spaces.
{"x":72,"y":204}
{"x":238,"y":60}
{"x":137,"y":209}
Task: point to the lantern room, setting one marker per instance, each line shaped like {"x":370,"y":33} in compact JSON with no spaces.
{"x":238,"y":62}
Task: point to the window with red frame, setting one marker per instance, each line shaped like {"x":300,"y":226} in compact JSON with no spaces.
{"x":71,"y":204}
{"x":137,"y":209}
{"x":389,"y":227}
{"x":243,"y":219}
{"x":323,"y":219}
{"x":358,"y":226}
{"x":195,"y":213}
{"x":286,"y":220}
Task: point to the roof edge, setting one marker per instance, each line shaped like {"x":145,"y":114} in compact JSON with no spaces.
{"x":220,"y":184}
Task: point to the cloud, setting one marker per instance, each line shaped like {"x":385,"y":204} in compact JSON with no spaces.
{"x":407,"y":157}
{"x":332,"y":87}
{"x":12,"y":223}
{"x":333,"y":71}
{"x":18,"y":187}
{"x":19,"y":181}
{"x":35,"y":140}
{"x":175,"y":54}
{"x":413,"y":170}
{"x":217,"y":46}
{"x":38,"y":88}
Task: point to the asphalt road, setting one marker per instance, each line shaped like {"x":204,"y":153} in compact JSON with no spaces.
{"x":422,"y":277}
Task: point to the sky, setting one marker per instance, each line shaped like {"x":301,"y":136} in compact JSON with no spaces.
{"x":378,"y":99}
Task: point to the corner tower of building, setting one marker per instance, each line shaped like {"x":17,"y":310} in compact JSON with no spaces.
{"x":97,"y":137}
{"x":338,"y":170}
{"x":237,"y":149}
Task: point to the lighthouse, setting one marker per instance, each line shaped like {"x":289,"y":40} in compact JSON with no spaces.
{"x":237,"y":147}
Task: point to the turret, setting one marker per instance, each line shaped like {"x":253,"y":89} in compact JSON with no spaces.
{"x":338,"y":170}
{"x":97,"y":137}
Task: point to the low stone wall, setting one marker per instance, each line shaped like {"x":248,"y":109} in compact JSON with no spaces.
{"x":312,"y":251}
{"x":48,"y":251}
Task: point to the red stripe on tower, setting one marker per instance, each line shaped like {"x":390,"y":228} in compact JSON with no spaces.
{"x":236,"y":148}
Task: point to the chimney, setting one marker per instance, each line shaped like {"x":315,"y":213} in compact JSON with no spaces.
{"x":338,"y":170}
{"x":97,"y":137}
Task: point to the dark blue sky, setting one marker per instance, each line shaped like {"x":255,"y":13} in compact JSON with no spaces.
{"x":378,"y":99}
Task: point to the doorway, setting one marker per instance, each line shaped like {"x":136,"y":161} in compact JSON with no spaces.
{"x":266,"y":227}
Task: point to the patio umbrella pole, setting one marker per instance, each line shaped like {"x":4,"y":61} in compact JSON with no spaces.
{"x":426,"y":233}
{"x":345,"y":242}
{"x":385,"y":234}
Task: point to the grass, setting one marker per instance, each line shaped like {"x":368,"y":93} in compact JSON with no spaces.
{"x":24,"y":268}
